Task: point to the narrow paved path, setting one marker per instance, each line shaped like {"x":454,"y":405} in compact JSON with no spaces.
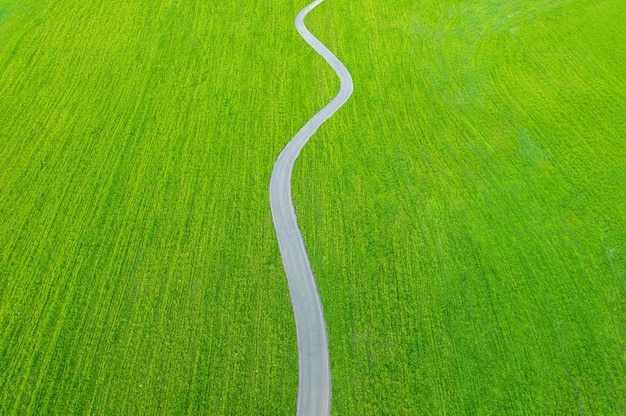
{"x":313,"y":362}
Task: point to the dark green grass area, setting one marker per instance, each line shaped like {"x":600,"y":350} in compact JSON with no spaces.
{"x":466,"y":211}
{"x":139,"y":272}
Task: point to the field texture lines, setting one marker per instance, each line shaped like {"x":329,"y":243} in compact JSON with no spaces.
{"x":139,"y":272}
{"x":465,"y":213}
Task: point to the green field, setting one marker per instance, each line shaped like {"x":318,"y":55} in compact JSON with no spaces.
{"x":139,"y":272}
{"x":466,"y":211}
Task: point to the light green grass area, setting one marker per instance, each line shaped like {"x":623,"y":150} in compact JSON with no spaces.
{"x":466,"y":211}
{"x":139,"y":272}
{"x":5,"y":10}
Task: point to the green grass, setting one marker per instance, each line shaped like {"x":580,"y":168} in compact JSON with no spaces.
{"x":139,"y":272}
{"x":5,"y":10}
{"x":466,"y":211}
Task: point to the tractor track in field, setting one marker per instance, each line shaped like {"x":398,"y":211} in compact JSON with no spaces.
{"x":314,"y":381}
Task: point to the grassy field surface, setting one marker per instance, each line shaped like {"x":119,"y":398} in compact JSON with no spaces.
{"x":139,"y":272}
{"x":466,"y":211}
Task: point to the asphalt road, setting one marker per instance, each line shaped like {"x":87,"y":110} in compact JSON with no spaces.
{"x":314,"y":383}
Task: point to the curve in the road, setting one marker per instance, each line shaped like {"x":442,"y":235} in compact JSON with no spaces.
{"x":314,"y":384}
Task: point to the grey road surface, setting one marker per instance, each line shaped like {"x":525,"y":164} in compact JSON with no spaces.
{"x":314,"y":384}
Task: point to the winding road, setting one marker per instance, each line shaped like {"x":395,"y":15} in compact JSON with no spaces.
{"x":314,"y":384}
